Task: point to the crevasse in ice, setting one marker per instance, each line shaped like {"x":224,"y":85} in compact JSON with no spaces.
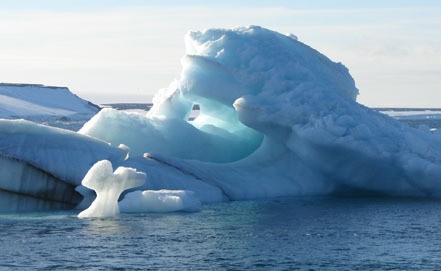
{"x":276,"y":118}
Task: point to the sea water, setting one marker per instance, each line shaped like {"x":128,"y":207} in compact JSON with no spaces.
{"x":314,"y":233}
{"x":318,"y":233}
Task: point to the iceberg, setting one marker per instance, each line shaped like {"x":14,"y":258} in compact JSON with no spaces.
{"x":108,"y":186}
{"x":276,"y":118}
{"x":160,"y":201}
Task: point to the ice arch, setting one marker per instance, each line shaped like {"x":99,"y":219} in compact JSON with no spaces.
{"x":277,"y":118}
{"x":220,"y":67}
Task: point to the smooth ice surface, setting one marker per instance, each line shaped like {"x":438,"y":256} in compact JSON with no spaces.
{"x":24,"y":187}
{"x":39,"y":101}
{"x":66,"y":155}
{"x":168,"y":136}
{"x":159,"y":201}
{"x":108,"y":186}
{"x":164,"y":176}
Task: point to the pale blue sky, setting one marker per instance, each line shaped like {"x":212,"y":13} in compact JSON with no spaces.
{"x":109,"y":51}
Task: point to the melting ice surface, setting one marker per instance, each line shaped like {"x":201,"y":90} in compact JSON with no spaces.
{"x":277,"y":118}
{"x":108,"y":186}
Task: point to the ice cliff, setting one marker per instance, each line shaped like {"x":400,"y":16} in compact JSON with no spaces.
{"x":277,"y":118}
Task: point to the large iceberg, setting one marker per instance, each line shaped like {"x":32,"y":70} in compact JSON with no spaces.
{"x":277,"y":118}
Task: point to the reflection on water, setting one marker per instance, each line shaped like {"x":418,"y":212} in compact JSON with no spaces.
{"x":104,"y":227}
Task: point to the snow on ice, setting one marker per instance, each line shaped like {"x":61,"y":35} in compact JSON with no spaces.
{"x":32,"y":101}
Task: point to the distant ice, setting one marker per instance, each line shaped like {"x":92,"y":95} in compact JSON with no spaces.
{"x":413,"y":114}
{"x":39,"y":102}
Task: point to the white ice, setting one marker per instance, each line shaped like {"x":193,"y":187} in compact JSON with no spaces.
{"x":159,"y":201}
{"x":413,"y":114}
{"x":108,"y":186}
{"x":64,"y":154}
{"x":38,"y":101}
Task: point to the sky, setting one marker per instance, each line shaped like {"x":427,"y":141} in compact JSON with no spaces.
{"x":125,"y":50}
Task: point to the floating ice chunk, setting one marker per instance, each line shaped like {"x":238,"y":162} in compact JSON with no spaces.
{"x":159,"y":201}
{"x":108,"y":186}
{"x":164,"y":176}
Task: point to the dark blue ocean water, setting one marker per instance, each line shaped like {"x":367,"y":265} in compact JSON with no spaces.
{"x":278,"y":234}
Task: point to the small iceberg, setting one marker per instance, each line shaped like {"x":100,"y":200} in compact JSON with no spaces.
{"x":161,"y":201}
{"x":108,"y":186}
